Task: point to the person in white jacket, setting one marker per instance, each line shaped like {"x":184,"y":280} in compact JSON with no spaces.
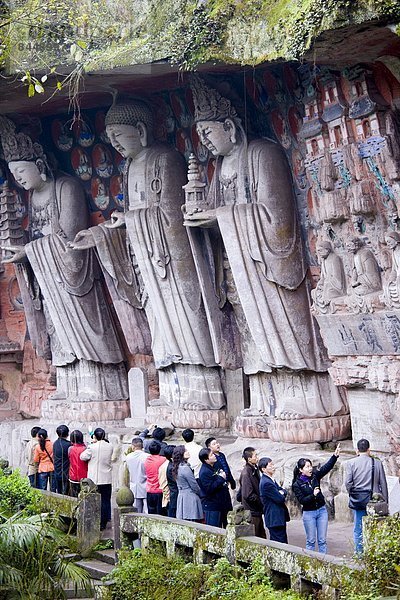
{"x":99,"y":457}
{"x":137,"y":475}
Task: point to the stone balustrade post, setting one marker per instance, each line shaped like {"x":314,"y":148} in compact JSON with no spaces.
{"x":239,"y":525}
{"x":124,"y":500}
{"x":88,"y":521}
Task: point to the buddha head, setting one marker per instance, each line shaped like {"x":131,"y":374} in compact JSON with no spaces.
{"x":26,"y":159}
{"x":354,"y":244}
{"x":324,"y":249}
{"x":218,"y":126}
{"x":129,"y":127}
{"x":392,"y":239}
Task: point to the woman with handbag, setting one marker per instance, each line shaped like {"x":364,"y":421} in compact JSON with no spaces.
{"x":43,"y":457}
{"x":306,"y":487}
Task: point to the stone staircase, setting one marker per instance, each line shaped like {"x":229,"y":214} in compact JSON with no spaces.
{"x":98,"y":566}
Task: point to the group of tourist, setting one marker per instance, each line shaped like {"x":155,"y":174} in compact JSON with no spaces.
{"x":185,"y":481}
{"x":62,"y":464}
{"x":192,"y":482}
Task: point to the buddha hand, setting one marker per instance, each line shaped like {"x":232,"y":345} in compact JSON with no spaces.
{"x":18,"y":254}
{"x":82,"y":241}
{"x":117,"y":220}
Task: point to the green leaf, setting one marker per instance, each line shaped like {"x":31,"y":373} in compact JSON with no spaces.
{"x":31,"y":90}
{"x":59,"y":85}
{"x":82,"y":44}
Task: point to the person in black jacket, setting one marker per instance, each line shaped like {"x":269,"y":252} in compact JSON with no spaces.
{"x":222,"y":465}
{"x":273,"y":498}
{"x":215,"y":493}
{"x":307,"y":490}
{"x":61,"y":460}
{"x":250,"y":490}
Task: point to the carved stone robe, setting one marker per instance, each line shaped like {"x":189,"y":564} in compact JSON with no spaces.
{"x":154,"y":223}
{"x":78,"y":318}
{"x":257,"y":219}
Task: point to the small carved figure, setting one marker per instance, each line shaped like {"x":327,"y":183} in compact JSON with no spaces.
{"x":391,"y":290}
{"x":332,"y":283}
{"x":366,"y":276}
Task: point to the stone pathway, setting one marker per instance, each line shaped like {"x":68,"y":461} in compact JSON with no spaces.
{"x":339,"y":539}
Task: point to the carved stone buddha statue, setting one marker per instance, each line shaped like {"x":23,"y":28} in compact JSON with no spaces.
{"x":332,"y":283}
{"x":257,"y":265}
{"x":153,"y":179}
{"x":64,"y":294}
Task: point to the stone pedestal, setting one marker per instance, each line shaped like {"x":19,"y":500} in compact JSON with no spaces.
{"x":193,"y":419}
{"x":98,"y":413}
{"x":252,"y":426}
{"x":294,"y":431}
{"x":138,"y":397}
{"x":191,"y":387}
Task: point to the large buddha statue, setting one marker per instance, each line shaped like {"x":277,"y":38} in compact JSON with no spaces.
{"x":153,"y":179}
{"x":255,"y":260}
{"x":63,"y":292}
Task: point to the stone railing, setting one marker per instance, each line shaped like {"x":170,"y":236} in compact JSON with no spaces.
{"x":84,"y":511}
{"x":288,"y":566}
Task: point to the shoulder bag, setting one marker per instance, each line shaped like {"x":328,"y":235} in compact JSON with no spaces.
{"x":358,"y":499}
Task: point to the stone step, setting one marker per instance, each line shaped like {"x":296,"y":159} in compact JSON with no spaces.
{"x":108,"y":556}
{"x":82,"y":593}
{"x":96,"y":568}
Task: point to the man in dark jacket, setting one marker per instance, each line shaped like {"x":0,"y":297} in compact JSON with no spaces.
{"x":222,"y":466}
{"x":273,"y":498}
{"x":214,"y":488}
{"x":158,"y":434}
{"x":61,"y":459}
{"x":250,"y":490}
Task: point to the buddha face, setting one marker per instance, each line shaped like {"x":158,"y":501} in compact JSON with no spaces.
{"x":219,"y":138}
{"x":126,"y":139}
{"x":353,"y":245}
{"x":391,"y":242}
{"x":26,"y":173}
{"x":323,"y":251}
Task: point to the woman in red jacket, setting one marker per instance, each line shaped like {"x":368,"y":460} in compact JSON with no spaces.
{"x":77,"y":468}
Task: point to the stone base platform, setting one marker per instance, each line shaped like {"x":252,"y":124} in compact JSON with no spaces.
{"x":193,"y":419}
{"x":110,"y":412}
{"x":294,"y":431}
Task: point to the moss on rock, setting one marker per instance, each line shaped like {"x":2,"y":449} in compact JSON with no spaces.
{"x":188,"y":34}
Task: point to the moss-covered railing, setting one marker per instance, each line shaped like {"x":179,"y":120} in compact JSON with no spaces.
{"x":83,"y":511}
{"x":289,"y":566}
